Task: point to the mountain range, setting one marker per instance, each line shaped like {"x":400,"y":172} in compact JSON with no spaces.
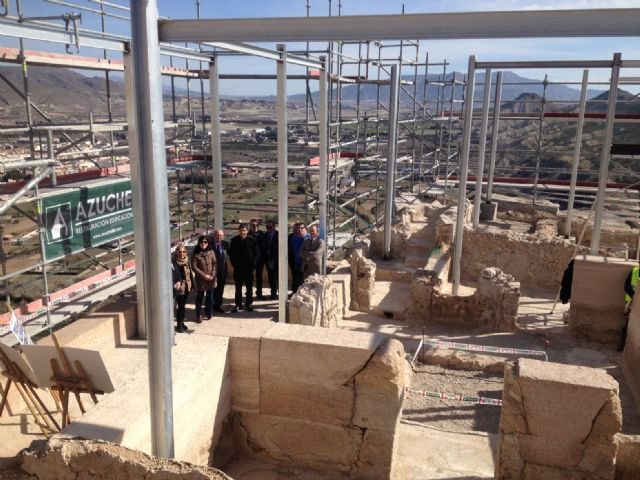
{"x":65,"y":94}
{"x":513,"y":86}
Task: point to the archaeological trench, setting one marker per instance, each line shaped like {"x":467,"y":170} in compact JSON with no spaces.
{"x":328,"y":391}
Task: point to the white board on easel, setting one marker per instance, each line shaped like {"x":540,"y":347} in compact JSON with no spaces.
{"x":39,"y":356}
{"x":14,"y":356}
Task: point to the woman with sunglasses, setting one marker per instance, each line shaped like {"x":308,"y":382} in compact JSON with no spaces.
{"x":182,"y":284}
{"x":203,"y":264}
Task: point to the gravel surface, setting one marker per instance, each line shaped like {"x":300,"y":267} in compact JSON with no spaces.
{"x":453,"y":415}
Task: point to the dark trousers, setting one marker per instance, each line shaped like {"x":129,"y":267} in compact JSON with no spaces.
{"x":218,"y":292}
{"x":272,"y":275}
{"x":625,"y":326}
{"x":207,"y":296}
{"x":243,"y":278}
{"x":296,"y":277}
{"x":180,"y":304}
{"x":259,"y":271}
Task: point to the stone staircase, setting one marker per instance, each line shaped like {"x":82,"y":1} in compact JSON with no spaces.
{"x":420,"y":245}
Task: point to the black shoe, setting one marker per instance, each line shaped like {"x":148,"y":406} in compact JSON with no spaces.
{"x":182,"y":329}
{"x":207,"y":317}
{"x":235,"y":310}
{"x":249,"y":308}
{"x":219,"y":310}
{"x":261,"y":297}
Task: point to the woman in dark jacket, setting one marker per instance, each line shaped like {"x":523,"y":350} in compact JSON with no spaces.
{"x":203,"y":264}
{"x":182,"y":284}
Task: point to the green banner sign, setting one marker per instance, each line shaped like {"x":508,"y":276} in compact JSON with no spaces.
{"x":85,"y":218}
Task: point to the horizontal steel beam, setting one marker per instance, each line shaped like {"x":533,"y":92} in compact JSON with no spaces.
{"x":261,"y":52}
{"x":258,"y":76}
{"x":546,"y":64}
{"x":9,"y":28}
{"x":23,"y":164}
{"x":33,"y":57}
{"x":32,"y":183}
{"x":621,"y":22}
{"x":183,"y":52}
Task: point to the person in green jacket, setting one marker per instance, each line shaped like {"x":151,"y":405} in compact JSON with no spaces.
{"x":629,"y":290}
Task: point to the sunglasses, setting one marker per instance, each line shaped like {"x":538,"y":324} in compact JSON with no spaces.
{"x":204,"y":241}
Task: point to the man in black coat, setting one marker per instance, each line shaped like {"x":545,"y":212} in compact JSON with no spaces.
{"x":257,"y":234}
{"x":243,"y":253}
{"x":221,"y":249}
{"x":269,"y":254}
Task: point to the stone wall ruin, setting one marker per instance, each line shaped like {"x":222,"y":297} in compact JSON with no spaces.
{"x":597,"y":298}
{"x":363,"y":275}
{"x":76,"y":459}
{"x":418,"y":229}
{"x":557,"y":422}
{"x":494,"y":304}
{"x":315,"y":303}
{"x":533,"y":261}
{"x":316,"y":397}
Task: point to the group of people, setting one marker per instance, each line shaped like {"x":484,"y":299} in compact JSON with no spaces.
{"x":306,"y":253}
{"x":250,"y":252}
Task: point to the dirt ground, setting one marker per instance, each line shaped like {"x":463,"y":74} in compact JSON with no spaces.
{"x":451,"y":415}
{"x":15,"y":473}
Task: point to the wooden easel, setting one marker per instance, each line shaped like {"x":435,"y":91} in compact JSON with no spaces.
{"x":67,"y":380}
{"x":25,"y":387}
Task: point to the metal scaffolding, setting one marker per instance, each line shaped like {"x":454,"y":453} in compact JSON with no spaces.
{"x":417,"y":138}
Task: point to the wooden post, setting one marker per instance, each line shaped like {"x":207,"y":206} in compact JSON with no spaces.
{"x":68,"y":380}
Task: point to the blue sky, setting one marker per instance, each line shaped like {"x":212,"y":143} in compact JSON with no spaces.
{"x":455,"y":52}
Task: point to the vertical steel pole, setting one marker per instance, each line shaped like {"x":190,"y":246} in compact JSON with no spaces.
{"x":179,"y":203}
{"x":494,"y":135}
{"x":481,"y":147}
{"x":45,"y":280}
{"x":606,"y":153}
{"x":193,"y":201}
{"x":323,"y":146}
{"x":576,"y":153}
{"x":27,"y":98}
{"x":3,"y":265}
{"x":151,"y":208}
{"x":543,"y":104}
{"x":132,"y":138}
{"x":462,"y":175}
{"x":392,"y":138}
{"x":52,"y":156}
{"x":92,"y":135}
{"x":283,"y":180}
{"x":216,"y":150}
